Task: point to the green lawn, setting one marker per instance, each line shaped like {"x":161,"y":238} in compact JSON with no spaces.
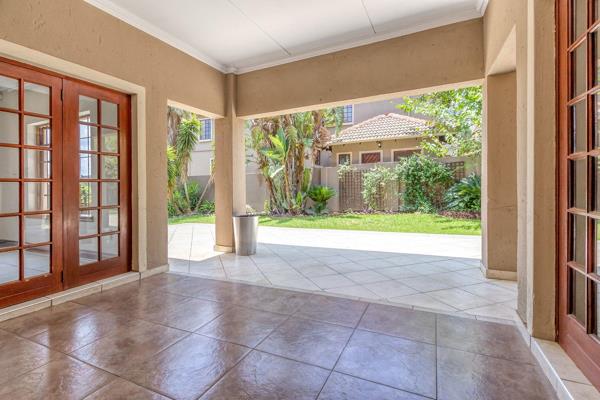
{"x":413,"y":223}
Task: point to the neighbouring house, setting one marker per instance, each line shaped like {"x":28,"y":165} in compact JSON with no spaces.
{"x":383,"y":138}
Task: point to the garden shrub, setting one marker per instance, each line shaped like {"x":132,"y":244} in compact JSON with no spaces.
{"x":178,"y":205}
{"x":376,"y":185}
{"x":320,"y":195}
{"x":425,"y":181}
{"x":465,"y":195}
{"x":207,"y":207}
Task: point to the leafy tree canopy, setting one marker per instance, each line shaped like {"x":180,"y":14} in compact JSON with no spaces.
{"x":455,"y":121}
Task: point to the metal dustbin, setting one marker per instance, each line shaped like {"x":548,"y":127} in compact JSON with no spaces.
{"x":245,"y":230}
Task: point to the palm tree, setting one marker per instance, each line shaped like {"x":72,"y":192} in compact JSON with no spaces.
{"x":187,"y":139}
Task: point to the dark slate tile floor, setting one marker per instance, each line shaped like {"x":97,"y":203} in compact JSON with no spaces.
{"x":182,"y":337}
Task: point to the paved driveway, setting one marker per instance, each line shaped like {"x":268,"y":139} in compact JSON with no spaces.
{"x":433,"y":272}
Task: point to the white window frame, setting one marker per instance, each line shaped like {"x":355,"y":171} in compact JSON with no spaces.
{"x":370,"y":151}
{"x":337,"y":157}
{"x":212,"y":131}
{"x":404,"y":149}
{"x":351,"y":122}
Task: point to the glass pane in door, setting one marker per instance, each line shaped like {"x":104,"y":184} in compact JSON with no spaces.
{"x":578,"y":301}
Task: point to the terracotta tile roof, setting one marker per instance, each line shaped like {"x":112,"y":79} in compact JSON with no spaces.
{"x":381,"y":127}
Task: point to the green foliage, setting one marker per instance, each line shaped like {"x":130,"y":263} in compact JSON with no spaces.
{"x":376,"y":185}
{"x":425,"y":181}
{"x":280,"y":146}
{"x":320,"y":195}
{"x":344,"y":169}
{"x":172,"y":169}
{"x":206,"y":208}
{"x":465,"y":195}
{"x":455,"y":114}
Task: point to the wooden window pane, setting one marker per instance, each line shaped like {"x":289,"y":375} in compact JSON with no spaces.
{"x":110,"y":114}
{"x":88,"y":251}
{"x":110,"y":247}
{"x":9,"y":197}
{"x":9,"y":93}
{"x":9,"y":232}
{"x":110,"y":220}
{"x":37,"y":196}
{"x":578,"y":137}
{"x":9,"y":163}
{"x":88,"y":166}
{"x":88,"y":194}
{"x":110,"y":167}
{"x":88,"y":109}
{"x":577,"y":299}
{"x":578,"y":18}
{"x":88,"y":222}
{"x":37,"y":98}
{"x":37,"y":261}
{"x":9,"y":128}
{"x":37,"y":164}
{"x":110,"y":141}
{"x":369,"y":158}
{"x":110,"y":193}
{"x":579,"y":70}
{"x":578,"y":239}
{"x":578,"y":183}
{"x":37,"y":131}
{"x":37,"y":228}
{"x":9,"y":266}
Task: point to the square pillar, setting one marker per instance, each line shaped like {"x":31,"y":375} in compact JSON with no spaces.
{"x":499,"y":177}
{"x":230,"y":169}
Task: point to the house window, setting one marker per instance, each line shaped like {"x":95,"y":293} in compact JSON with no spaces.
{"x":207,"y":129}
{"x":397,"y":155}
{"x":348,"y":114}
{"x":370,"y":157}
{"x":344,"y":158}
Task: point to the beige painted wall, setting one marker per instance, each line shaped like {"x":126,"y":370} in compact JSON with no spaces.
{"x":499,"y":177}
{"x":79,"y":33}
{"x":447,"y":55}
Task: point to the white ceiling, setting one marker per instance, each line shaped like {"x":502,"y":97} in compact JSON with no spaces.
{"x":244,"y":35}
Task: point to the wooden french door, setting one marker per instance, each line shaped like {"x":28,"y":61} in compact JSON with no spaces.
{"x":96,"y":167}
{"x":578,"y":52}
{"x":64,"y":183}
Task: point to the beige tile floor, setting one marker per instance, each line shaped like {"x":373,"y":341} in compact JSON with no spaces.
{"x":433,"y":272}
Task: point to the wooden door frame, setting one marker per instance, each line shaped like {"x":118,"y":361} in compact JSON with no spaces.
{"x":582,"y":347}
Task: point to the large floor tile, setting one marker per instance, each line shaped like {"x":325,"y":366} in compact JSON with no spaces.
{"x":424,"y":301}
{"x":308,"y":341}
{"x":482,"y":337}
{"x":424,"y":284}
{"x":243,"y":326}
{"x":390,"y":289}
{"x":490,"y":292}
{"x":361,"y":277}
{"x":463,"y":375}
{"x":332,"y":281}
{"x":63,"y":378}
{"x":31,"y":324}
{"x":70,"y":336}
{"x":18,"y":356}
{"x":459,"y":299}
{"x":188,"y":368}
{"x":400,"y":363}
{"x":398,"y":321}
{"x":357,"y":291}
{"x":333,"y":310}
{"x":120,"y":389}
{"x":267,"y":377}
{"x":344,"y":387}
{"x":128,"y":345}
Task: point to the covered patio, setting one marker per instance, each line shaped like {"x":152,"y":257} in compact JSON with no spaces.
{"x":107,"y":314}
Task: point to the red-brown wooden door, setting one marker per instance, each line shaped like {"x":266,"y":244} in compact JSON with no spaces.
{"x":96,"y":167}
{"x":579,"y":183}
{"x":30,"y":183}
